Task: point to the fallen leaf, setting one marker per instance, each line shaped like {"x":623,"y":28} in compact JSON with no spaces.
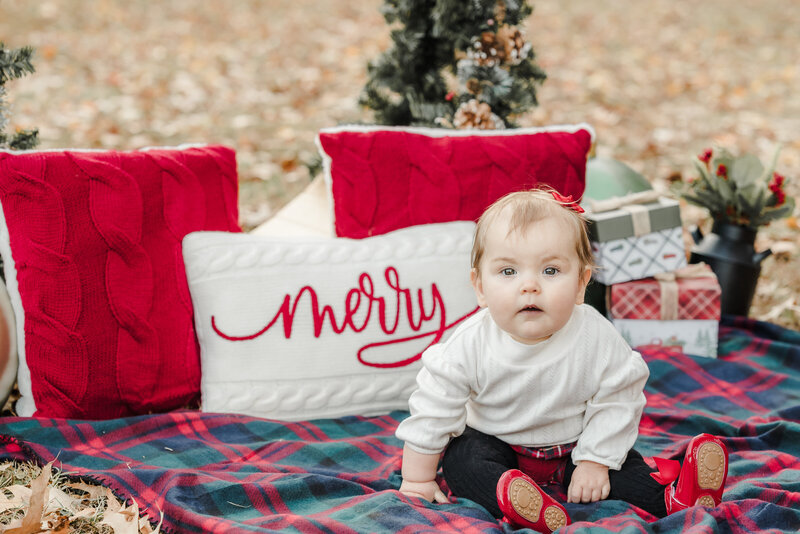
{"x":61,"y":525}
{"x":20,"y":496}
{"x":94,"y":491}
{"x":57,"y":500}
{"x":145,"y":527}
{"x":784,"y":249}
{"x":124,"y":520}
{"x":778,"y":309}
{"x":32,"y":522}
{"x":86,"y":512}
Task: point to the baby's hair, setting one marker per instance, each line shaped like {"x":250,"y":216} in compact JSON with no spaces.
{"x":528,"y":207}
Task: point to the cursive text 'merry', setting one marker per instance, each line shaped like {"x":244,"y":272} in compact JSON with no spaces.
{"x":363,"y":298}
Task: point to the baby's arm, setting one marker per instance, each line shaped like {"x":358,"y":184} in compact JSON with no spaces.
{"x":611,"y":424}
{"x":589,"y":482}
{"x":419,"y":476}
{"x":438,"y":411}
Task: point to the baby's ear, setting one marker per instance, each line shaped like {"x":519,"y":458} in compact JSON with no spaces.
{"x":585,"y":277}
{"x":475,"y":278}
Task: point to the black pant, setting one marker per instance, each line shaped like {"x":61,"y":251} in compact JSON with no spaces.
{"x":474,"y":462}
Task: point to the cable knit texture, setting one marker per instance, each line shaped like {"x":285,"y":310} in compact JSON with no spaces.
{"x":306,"y":328}
{"x":92,"y":252}
{"x":583,"y":384}
{"x":383,"y":179}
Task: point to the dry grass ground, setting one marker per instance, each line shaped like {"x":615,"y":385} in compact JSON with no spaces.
{"x":659,"y":80}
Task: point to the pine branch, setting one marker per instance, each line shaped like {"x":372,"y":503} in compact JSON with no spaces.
{"x":24,"y":140}
{"x":15,"y":63}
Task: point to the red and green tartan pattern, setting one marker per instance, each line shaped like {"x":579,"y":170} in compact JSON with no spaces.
{"x":698,"y":298}
{"x":225,"y":473}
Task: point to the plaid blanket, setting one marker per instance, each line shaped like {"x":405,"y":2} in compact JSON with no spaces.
{"x":226,"y":473}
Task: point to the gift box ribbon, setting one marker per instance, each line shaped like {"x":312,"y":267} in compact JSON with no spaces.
{"x":640,"y":217}
{"x":632,"y":203}
{"x":668,"y":284}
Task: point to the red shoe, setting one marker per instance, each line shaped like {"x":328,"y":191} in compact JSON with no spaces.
{"x":524,"y":504}
{"x":702,"y":477}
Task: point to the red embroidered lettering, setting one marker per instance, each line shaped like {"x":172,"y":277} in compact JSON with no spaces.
{"x":364,"y":295}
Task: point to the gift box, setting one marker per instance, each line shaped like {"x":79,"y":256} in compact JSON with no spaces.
{"x":678,"y":309}
{"x":698,"y":338}
{"x":633,"y":240}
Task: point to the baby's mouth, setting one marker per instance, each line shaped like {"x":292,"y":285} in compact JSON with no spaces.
{"x":530,"y":309}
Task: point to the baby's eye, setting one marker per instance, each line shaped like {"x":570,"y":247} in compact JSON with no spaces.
{"x":508,"y":271}
{"x":550,"y":271}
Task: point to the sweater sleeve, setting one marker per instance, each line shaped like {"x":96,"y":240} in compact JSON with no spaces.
{"x":611,"y":420}
{"x":438,"y":406}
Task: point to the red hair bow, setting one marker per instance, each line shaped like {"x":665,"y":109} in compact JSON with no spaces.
{"x":567,"y":201}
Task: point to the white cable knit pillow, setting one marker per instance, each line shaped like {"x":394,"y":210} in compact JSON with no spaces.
{"x":305,"y":328}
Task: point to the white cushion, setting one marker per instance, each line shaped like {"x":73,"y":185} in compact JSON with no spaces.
{"x":8,"y":346}
{"x":266,"y":352}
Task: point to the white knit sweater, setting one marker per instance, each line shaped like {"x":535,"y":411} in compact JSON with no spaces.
{"x":584,"y":383}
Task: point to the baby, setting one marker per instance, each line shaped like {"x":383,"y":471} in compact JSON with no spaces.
{"x":538,"y":387}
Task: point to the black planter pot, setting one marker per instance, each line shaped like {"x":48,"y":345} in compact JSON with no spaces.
{"x":729,"y":251}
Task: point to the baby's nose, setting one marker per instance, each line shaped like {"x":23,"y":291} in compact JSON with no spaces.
{"x":530,"y":284}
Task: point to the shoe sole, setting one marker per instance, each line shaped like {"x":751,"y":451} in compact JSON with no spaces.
{"x":527,"y":502}
{"x":554,"y":518}
{"x":710,"y":466}
{"x":707,"y":501}
{"x":525,"y":499}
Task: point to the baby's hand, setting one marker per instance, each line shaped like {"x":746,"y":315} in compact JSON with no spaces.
{"x":589,"y":482}
{"x":429,"y":491}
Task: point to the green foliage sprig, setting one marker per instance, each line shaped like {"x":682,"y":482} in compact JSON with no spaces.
{"x":15,"y":63}
{"x":738,"y":189}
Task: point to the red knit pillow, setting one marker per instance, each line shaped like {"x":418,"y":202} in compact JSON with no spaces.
{"x":91,"y":244}
{"x":382,"y":179}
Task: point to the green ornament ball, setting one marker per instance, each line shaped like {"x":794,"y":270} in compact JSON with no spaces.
{"x":608,"y":177}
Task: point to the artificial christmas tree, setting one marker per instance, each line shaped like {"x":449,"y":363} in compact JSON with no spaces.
{"x":454,"y":64}
{"x":14,"y":63}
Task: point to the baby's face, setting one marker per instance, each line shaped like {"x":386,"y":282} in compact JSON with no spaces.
{"x":530,"y":281}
